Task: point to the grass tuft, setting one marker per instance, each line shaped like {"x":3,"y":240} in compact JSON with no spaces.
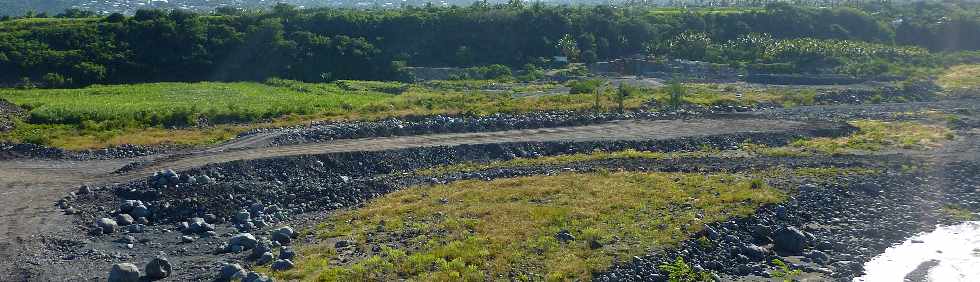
{"x":875,"y":135}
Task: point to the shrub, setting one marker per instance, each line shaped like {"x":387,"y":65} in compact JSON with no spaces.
{"x":680,"y":271}
{"x":584,"y":86}
{"x":677,"y":92}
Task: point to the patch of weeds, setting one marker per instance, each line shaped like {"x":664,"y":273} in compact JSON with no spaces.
{"x":962,"y":80}
{"x":680,"y":271}
{"x":959,"y":213}
{"x":554,"y":160}
{"x":784,"y":272}
{"x":875,"y":135}
{"x":763,"y":150}
{"x":483,"y":230}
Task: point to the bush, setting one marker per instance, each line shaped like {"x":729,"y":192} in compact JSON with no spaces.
{"x":677,"y":92}
{"x":680,"y":271}
{"x":584,"y":86}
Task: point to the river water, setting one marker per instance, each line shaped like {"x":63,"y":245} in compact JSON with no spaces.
{"x":948,"y":254}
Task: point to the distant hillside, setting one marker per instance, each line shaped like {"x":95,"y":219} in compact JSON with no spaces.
{"x":21,"y":7}
{"x":52,"y":7}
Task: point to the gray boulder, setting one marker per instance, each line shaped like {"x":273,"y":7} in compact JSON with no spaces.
{"x":106,"y":225}
{"x":817,"y":256}
{"x":754,"y":252}
{"x":198,"y":225}
{"x":242,"y":217}
{"x":256,"y":277}
{"x":261,"y":247}
{"x":230,"y":271}
{"x":124,"y":219}
{"x":124,"y":272}
{"x":790,"y":239}
{"x":246,"y":240}
{"x":283,"y":235}
{"x":140,"y":211}
{"x":287,"y":253}
{"x":265,"y":258}
{"x":158,"y":268}
{"x":128,"y":205}
{"x":84,"y":189}
{"x":283,"y":264}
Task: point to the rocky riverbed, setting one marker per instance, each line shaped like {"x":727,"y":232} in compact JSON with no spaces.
{"x":222,"y":220}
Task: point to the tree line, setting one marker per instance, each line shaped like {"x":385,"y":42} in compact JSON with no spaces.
{"x":76,"y":48}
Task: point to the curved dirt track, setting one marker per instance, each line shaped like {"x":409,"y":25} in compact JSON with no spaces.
{"x":619,"y":130}
{"x":31,"y":187}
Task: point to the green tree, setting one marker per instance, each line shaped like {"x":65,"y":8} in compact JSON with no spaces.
{"x":568,"y":47}
{"x":623,"y":92}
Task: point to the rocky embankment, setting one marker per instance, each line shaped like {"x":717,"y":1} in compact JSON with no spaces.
{"x":195,"y":216}
{"x":827,"y":229}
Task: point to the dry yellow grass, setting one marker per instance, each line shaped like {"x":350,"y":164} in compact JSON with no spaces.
{"x":961,"y":80}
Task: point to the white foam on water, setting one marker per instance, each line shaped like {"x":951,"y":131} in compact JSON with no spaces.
{"x":956,"y":247}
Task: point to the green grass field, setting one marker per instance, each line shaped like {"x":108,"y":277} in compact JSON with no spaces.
{"x":505,"y":229}
{"x":208,"y":112}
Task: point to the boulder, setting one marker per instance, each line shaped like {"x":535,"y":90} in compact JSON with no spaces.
{"x":198,"y":225}
{"x":230,"y":271}
{"x":287,"y":253}
{"x":242,"y":217}
{"x":283,"y":235}
{"x":106,"y":225}
{"x":564,"y":236}
{"x":124,"y":219}
{"x":140,"y":211}
{"x":256,"y":277}
{"x":754,"y":252}
{"x":128,"y":205}
{"x":261,"y":247}
{"x":283,"y":264}
{"x":817,"y":256}
{"x":246,"y":240}
{"x":265,"y":258}
{"x":124,"y":272}
{"x":158,"y":268}
{"x":790,"y":239}
{"x":84,"y":189}
{"x":340,"y":244}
